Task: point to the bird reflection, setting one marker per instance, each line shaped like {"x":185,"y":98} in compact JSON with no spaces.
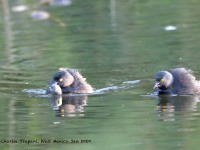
{"x":171,"y":106}
{"x":68,"y":106}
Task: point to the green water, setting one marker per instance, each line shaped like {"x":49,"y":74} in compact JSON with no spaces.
{"x":109,"y":42}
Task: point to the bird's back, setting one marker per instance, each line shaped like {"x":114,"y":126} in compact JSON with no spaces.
{"x":80,"y":85}
{"x":184,"y":82}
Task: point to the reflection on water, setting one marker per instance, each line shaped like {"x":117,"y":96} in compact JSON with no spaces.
{"x":39,"y":15}
{"x":169,"y":107}
{"x":72,"y":105}
{"x":110,"y":41}
{"x":19,"y":8}
{"x":60,"y":2}
{"x":68,"y":106}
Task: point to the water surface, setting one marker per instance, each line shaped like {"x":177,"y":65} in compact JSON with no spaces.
{"x":112,"y":43}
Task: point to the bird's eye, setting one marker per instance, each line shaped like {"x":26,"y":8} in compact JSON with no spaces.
{"x":162,"y":80}
{"x":60,"y":80}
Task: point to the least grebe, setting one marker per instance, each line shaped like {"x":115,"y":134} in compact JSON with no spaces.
{"x":179,"y":81}
{"x":68,"y":80}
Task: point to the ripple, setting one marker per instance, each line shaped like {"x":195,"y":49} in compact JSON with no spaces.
{"x":106,"y":89}
{"x":185,"y":130}
{"x":131,"y":82}
{"x":124,"y":85}
{"x":35,"y":91}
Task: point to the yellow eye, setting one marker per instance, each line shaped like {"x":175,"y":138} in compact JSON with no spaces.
{"x":162,"y":80}
{"x":60,"y":80}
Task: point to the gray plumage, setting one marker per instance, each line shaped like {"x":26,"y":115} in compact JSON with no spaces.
{"x":182,"y":82}
{"x":69,"y":81}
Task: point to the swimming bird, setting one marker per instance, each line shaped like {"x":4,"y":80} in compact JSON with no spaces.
{"x":68,"y":80}
{"x":179,"y":81}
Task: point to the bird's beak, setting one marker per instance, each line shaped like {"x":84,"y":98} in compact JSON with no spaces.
{"x":157,"y":85}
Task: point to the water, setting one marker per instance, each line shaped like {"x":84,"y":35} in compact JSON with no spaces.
{"x":118,"y":46}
